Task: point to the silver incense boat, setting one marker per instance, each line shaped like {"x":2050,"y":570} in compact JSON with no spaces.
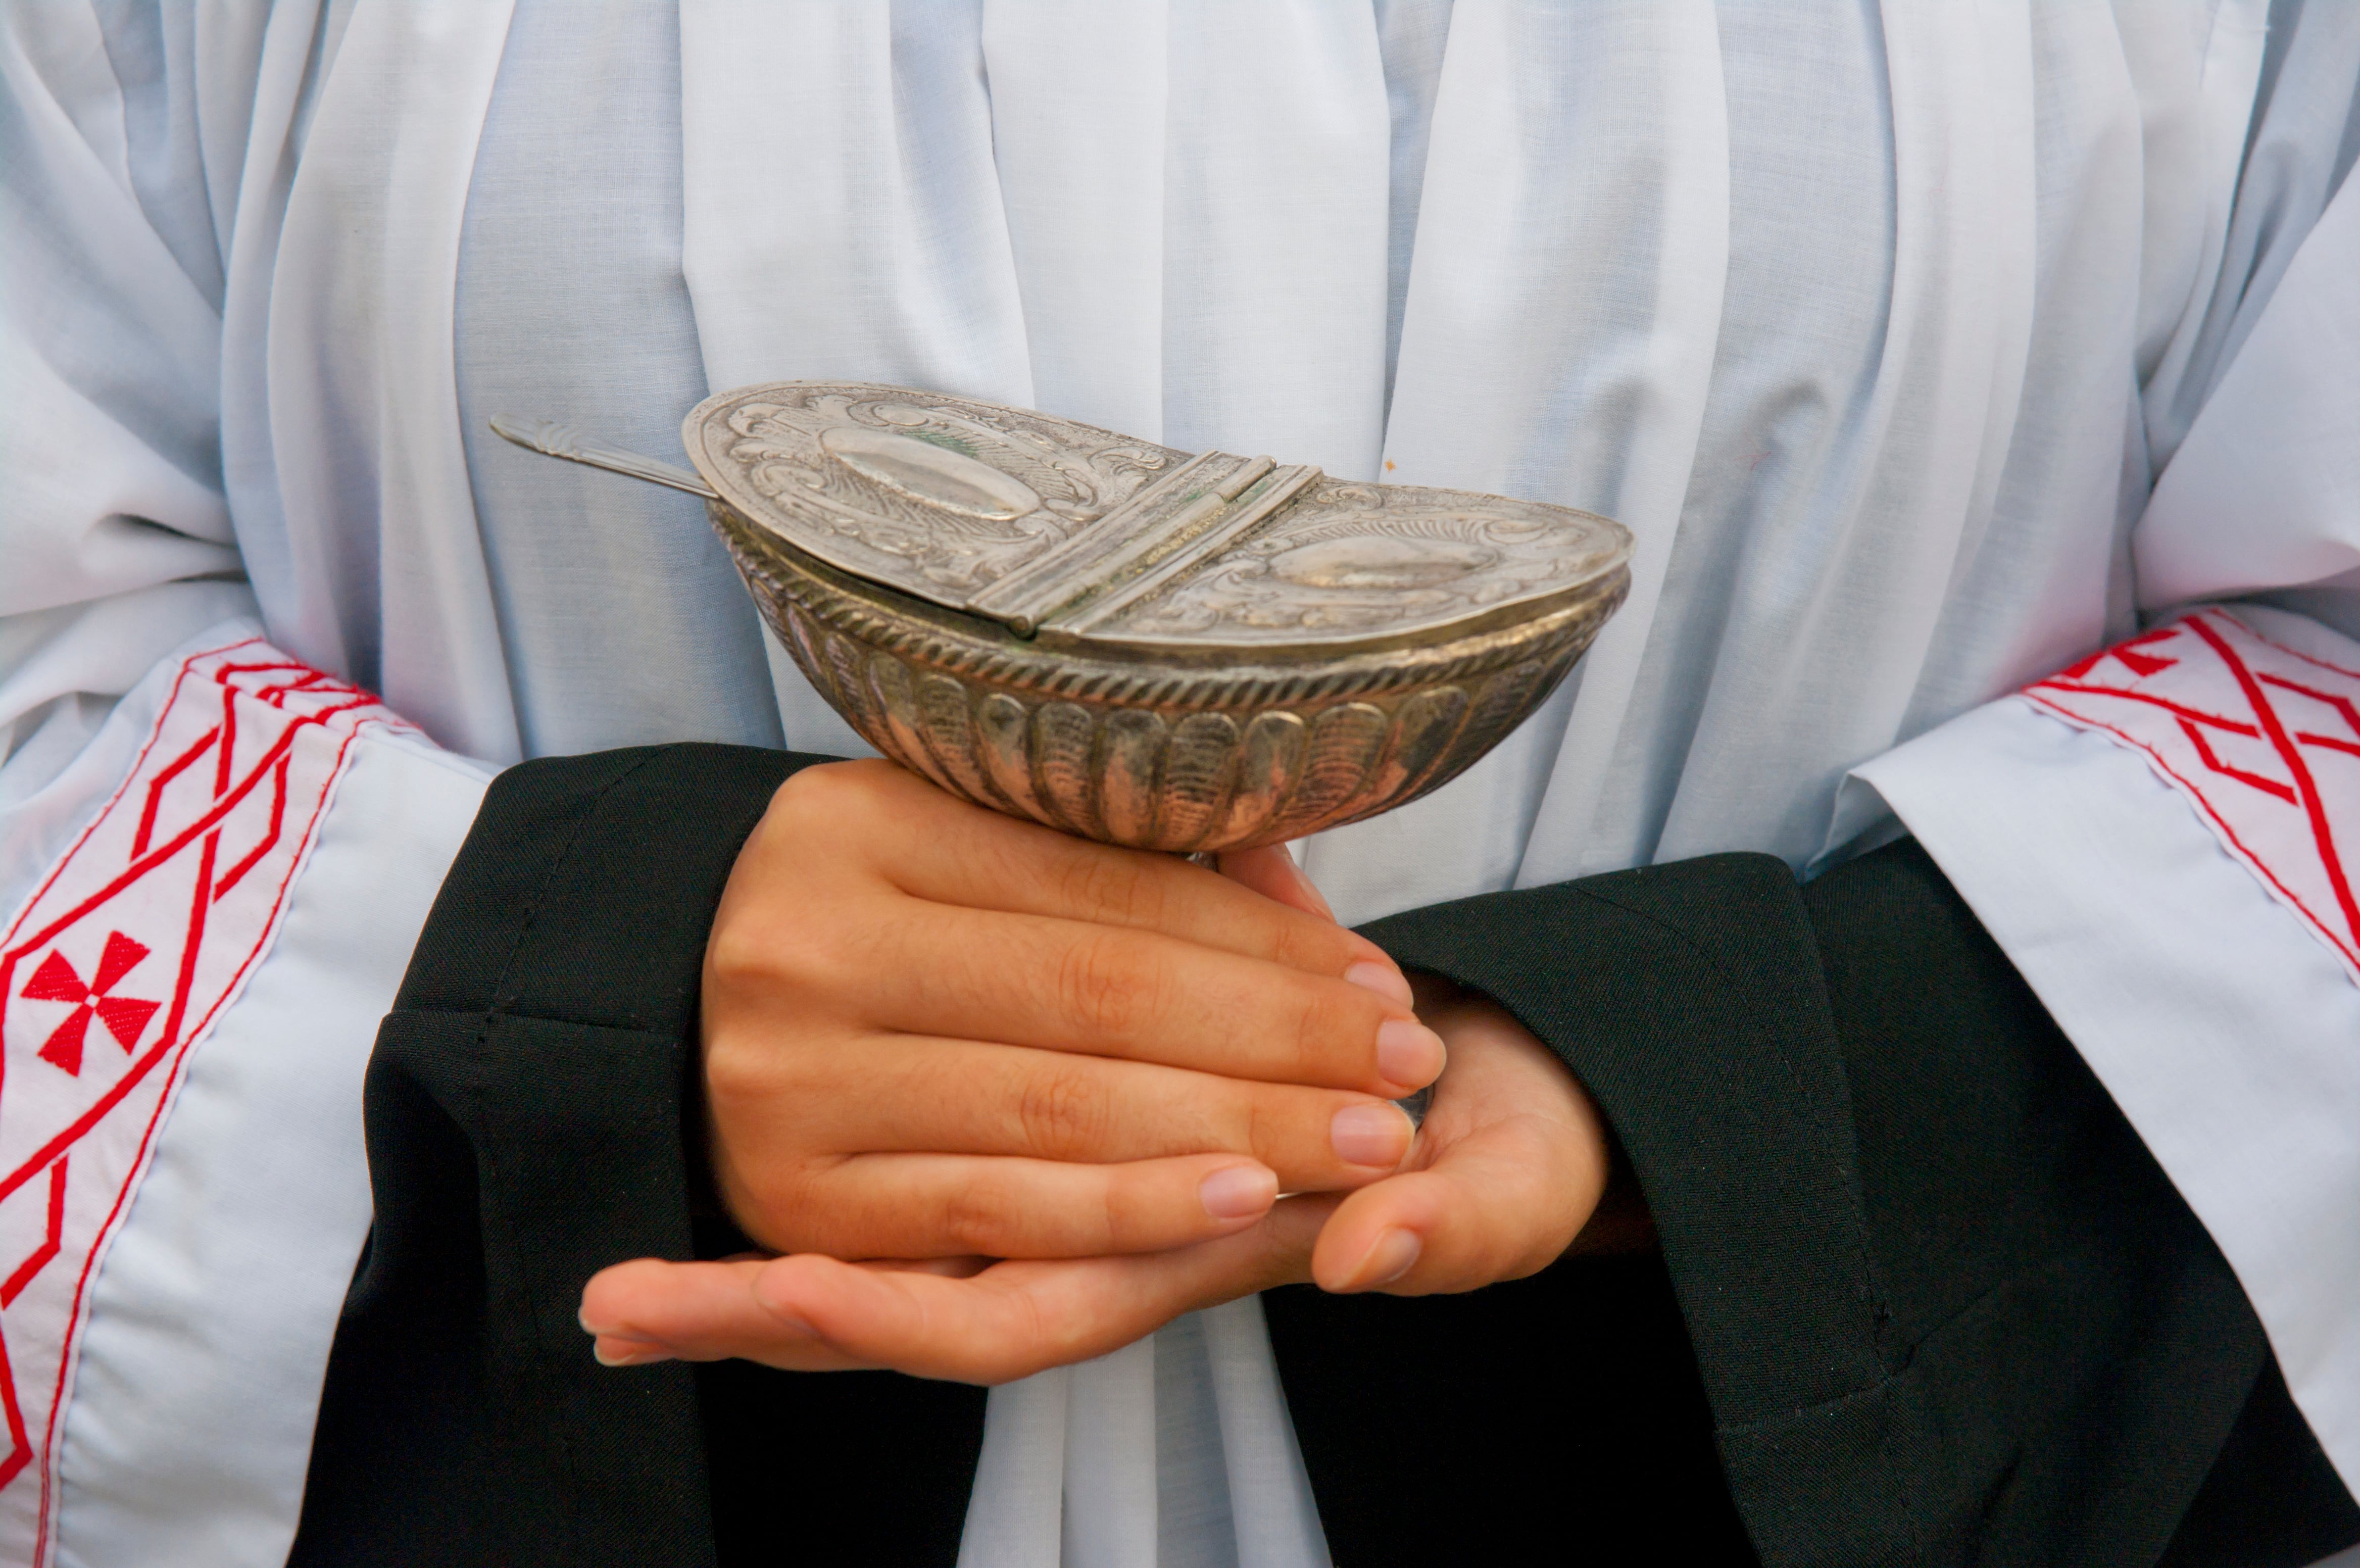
{"x":1166,"y":650}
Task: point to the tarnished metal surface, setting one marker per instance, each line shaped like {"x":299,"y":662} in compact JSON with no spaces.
{"x":1136,"y":644}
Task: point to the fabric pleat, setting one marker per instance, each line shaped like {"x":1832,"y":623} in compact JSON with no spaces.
{"x":1520,"y":372}
{"x":386,"y":582}
{"x":1111,"y":1515}
{"x":1914,"y":489}
{"x":1085,"y":213}
{"x":2203,"y":64}
{"x":1016,"y":1514}
{"x":842,"y":217}
{"x":569,"y":550}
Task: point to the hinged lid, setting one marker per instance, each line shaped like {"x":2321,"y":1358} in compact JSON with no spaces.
{"x":1072,"y":532}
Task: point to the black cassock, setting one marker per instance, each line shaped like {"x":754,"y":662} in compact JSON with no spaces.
{"x":1922,"y":1295}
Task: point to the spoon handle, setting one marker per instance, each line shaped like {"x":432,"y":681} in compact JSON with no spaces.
{"x":558,"y":440}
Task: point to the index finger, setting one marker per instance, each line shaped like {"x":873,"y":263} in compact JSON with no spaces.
{"x":809,"y":1312}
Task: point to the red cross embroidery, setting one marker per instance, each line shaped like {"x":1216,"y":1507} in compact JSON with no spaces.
{"x":126,"y":1017}
{"x":195,"y":853}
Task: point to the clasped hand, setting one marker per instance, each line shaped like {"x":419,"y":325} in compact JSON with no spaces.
{"x":1002,"y":1100}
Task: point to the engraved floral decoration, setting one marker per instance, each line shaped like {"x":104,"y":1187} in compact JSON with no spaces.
{"x":1378,"y":558}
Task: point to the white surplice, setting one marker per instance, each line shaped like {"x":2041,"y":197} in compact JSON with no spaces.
{"x":1923,"y":348}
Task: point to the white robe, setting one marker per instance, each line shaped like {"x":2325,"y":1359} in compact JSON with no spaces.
{"x":1924,"y":350}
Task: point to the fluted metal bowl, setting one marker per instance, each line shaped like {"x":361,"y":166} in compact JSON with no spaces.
{"x":1131,"y":749}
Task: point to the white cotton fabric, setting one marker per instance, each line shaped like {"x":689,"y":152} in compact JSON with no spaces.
{"x":375,"y":572}
{"x":2278,"y":445}
{"x":1876,"y":322}
{"x":1177,"y":1448}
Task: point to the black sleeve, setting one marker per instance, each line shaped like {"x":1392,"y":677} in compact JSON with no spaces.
{"x":1939,"y":1304}
{"x":530,"y":1118}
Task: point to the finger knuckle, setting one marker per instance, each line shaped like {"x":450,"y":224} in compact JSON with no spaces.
{"x":1107,"y":987}
{"x":978,"y":1217}
{"x":737,"y":1071}
{"x":775,"y":1080}
{"x":1302,"y":942}
{"x":1112,"y":885}
{"x":823,"y":794}
{"x":1058,"y":1339}
{"x":741,"y":954}
{"x":1261,"y":1120}
{"x":1062,"y":1111}
{"x":1031,"y":1341}
{"x":820,"y":949}
{"x":1128,"y":1216}
{"x":787,"y":1211}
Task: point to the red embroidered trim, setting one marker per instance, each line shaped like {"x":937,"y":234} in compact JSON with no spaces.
{"x":163,"y":905}
{"x":2264,"y":741}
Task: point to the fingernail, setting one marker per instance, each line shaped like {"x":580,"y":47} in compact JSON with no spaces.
{"x":628,"y":1352}
{"x":1408,"y":1053}
{"x":1370,"y":1134}
{"x":1394,"y":1254}
{"x":1383,"y":979}
{"x":1237,"y":1191}
{"x":600,"y":1330}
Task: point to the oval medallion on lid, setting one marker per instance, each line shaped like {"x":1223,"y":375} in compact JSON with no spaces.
{"x":931,"y":473}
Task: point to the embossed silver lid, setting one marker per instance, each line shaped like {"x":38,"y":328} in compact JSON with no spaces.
{"x":1067,"y":534}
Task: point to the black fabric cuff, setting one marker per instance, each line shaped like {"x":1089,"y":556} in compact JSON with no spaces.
{"x":1944,"y":1305}
{"x":524,"y":1124}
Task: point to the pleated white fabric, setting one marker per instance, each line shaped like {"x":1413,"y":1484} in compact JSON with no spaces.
{"x":1874,"y":322}
{"x":1539,"y":379}
{"x":2274,"y":448}
{"x":384,"y":570}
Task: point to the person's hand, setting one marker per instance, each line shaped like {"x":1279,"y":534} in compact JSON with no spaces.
{"x":932,"y":1031}
{"x":1508,"y":1169}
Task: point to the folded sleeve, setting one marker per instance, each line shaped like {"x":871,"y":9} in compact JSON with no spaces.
{"x":531,"y":1118}
{"x":208,"y":905}
{"x":1943,"y":1305}
{"x":2161,"y":838}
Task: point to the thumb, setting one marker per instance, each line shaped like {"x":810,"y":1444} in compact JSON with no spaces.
{"x":1500,"y":1203}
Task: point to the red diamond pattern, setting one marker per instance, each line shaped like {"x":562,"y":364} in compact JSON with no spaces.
{"x":173,"y":890}
{"x":2263,"y":740}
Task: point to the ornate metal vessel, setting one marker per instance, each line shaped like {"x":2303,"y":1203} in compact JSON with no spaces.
{"x":1133,"y":643}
